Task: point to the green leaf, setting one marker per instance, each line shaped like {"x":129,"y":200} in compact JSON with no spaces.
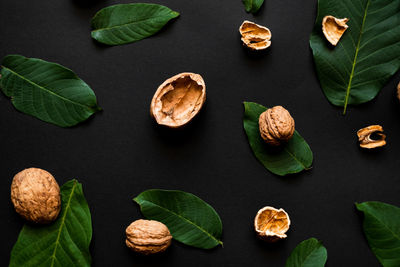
{"x":309,"y":253}
{"x":189,"y":219}
{"x":382,"y":229}
{"x":47,"y":91}
{"x":65,"y":242}
{"x":252,"y":5}
{"x":127,"y":23}
{"x":292,"y":157}
{"x":365,"y":58}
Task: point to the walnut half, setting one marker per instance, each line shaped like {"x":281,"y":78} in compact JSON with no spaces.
{"x":333,"y":28}
{"x":271,"y":224}
{"x":371,"y":137}
{"x":254,"y":36}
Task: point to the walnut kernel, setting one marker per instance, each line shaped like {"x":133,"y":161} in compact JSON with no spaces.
{"x":276,"y":125}
{"x":254,"y":36}
{"x":271,"y":224}
{"x":36,"y":195}
{"x":367,"y":135}
{"x":333,"y":28}
{"x":148,"y":237}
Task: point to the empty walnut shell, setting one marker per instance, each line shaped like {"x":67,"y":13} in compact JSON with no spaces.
{"x":148,"y":237}
{"x":36,"y":195}
{"x":271,"y":224}
{"x":333,"y":28}
{"x":178,"y":100}
{"x":276,"y":125}
{"x":254,"y":36}
{"x":371,"y":137}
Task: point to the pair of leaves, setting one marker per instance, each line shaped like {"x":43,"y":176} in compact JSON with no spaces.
{"x":382,"y":229}
{"x":127,"y":23}
{"x":292,"y":157}
{"x":252,"y":5}
{"x":65,"y":242}
{"x":189,"y":219}
{"x":309,"y":253}
{"x":47,"y":91}
{"x":366,"y":57}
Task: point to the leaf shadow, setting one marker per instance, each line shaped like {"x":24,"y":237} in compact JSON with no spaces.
{"x":88,"y":3}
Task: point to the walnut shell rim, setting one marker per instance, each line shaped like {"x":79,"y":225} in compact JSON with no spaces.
{"x":334,"y":28}
{"x":254,"y":36}
{"x":276,"y":126}
{"x":364,"y":137}
{"x":271,"y":224}
{"x":35,"y":195}
{"x":178,"y":100}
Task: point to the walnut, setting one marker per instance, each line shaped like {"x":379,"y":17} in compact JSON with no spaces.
{"x":147,"y":237}
{"x":333,"y":28}
{"x":254,"y":36}
{"x":36,"y":195}
{"x":276,"y":125}
{"x":371,"y":137}
{"x":271,"y":224}
{"x":178,"y":100}
{"x":398,"y":91}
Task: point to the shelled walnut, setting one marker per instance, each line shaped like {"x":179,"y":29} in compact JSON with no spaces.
{"x":276,"y":125}
{"x":333,"y":28}
{"x":271,"y":224}
{"x":254,"y":36}
{"x":371,"y":137}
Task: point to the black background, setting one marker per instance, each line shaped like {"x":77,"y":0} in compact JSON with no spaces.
{"x":120,"y":152}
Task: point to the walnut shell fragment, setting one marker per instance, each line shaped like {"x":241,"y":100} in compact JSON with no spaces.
{"x":276,"y":125}
{"x":178,"y":100}
{"x":254,"y":36}
{"x":36,"y":195}
{"x":371,"y":137}
{"x":148,"y":237}
{"x":333,"y":28}
{"x":271,"y":224}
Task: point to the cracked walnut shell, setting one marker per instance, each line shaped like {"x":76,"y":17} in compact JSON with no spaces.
{"x":148,"y":237}
{"x":333,"y":28}
{"x":271,"y":224}
{"x":371,"y":137}
{"x":254,"y":36}
{"x":178,"y":100}
{"x":276,"y":125}
{"x":36,"y":195}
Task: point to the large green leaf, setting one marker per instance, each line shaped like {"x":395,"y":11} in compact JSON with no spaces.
{"x":127,"y":23}
{"x":382,"y":229}
{"x":190,"y":220}
{"x":309,"y":253}
{"x":365,"y":58}
{"x":292,"y":157}
{"x":46,"y":90}
{"x":252,"y":5}
{"x":65,"y":242}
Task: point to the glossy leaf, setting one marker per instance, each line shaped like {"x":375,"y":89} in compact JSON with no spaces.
{"x":64,"y":242}
{"x":382,"y":229}
{"x":292,"y":157}
{"x":127,"y":23}
{"x":47,"y":91}
{"x":309,"y":253}
{"x":189,"y":219}
{"x":365,"y":58}
{"x":252,"y":5}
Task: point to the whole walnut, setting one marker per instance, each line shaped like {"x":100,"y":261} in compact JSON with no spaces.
{"x":276,"y":125}
{"x":36,"y":195}
{"x":148,"y":237}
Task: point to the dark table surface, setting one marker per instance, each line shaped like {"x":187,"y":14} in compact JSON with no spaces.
{"x":120,"y":152}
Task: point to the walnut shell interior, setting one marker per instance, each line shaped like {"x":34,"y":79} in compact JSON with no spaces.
{"x":271,"y":224}
{"x":254,"y":36}
{"x":371,"y":137}
{"x":178,"y":100}
{"x":333,"y":28}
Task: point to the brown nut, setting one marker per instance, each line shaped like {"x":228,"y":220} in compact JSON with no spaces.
{"x":254,"y":36}
{"x":333,"y":28}
{"x":147,"y":237}
{"x":271,"y":224}
{"x":36,"y":195}
{"x":398,"y":91}
{"x":178,"y":100}
{"x":371,"y":137}
{"x":276,"y":125}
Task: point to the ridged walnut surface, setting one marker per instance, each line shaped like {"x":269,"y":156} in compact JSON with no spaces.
{"x":366,"y":140}
{"x":333,"y":28}
{"x":254,"y":36}
{"x":36,"y":195}
{"x":148,"y":237}
{"x":276,"y":125}
{"x":271,"y":224}
{"x":178,"y":100}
